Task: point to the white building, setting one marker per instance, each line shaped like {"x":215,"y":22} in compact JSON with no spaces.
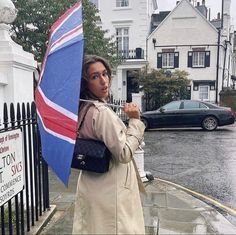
{"x":187,"y":40}
{"x":16,"y":65}
{"x":128,"y":21}
{"x":183,"y":39}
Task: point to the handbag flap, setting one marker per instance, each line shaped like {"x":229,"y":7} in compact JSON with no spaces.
{"x":90,"y":147}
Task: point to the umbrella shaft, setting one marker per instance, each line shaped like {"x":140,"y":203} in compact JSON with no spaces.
{"x":111,"y":105}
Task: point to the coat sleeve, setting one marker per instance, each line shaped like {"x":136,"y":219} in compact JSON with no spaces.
{"x":122,"y":141}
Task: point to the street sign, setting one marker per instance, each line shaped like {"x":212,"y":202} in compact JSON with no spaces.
{"x":11,"y":164}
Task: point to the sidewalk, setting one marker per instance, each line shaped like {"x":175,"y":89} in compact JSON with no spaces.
{"x":167,"y":210}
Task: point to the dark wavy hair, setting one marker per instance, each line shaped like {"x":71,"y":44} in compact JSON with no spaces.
{"x":87,"y":61}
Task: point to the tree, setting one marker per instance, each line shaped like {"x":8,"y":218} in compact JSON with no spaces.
{"x":161,"y":87}
{"x":35,"y":17}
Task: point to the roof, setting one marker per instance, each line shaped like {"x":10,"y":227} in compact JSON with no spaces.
{"x":216,"y":23}
{"x":157,"y":18}
{"x":173,"y":11}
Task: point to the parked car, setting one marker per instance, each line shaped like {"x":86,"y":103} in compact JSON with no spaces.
{"x":188,"y":113}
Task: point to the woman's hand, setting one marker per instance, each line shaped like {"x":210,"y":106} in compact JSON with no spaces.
{"x":132,"y":110}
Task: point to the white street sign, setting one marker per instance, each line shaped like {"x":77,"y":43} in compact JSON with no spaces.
{"x":11,"y":164}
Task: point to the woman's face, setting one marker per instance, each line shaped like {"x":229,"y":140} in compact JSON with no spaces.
{"x":98,"y":80}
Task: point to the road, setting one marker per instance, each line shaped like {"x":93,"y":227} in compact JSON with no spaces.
{"x":199,"y":160}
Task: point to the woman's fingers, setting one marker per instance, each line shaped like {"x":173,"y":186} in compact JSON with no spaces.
{"x":131,"y":110}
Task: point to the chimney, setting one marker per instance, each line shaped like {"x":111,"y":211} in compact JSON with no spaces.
{"x":226,"y":17}
{"x":202,"y":9}
{"x":203,"y":2}
{"x":218,"y":16}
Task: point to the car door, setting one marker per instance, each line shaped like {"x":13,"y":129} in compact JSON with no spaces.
{"x":167,"y":115}
{"x":192,"y":113}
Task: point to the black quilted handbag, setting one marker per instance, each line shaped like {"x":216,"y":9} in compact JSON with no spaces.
{"x":90,"y":155}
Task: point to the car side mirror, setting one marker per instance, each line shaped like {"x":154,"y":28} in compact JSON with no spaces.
{"x":162,"y":110}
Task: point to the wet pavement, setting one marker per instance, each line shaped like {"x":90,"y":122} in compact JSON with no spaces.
{"x":200,"y":160}
{"x":167,"y":210}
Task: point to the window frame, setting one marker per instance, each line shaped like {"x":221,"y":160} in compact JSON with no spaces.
{"x":122,"y":41}
{"x":203,"y":55}
{"x":199,"y":104}
{"x":122,"y":3}
{"x":172,"y":103}
{"x":200,"y":92}
{"x":171,"y":55}
{"x":169,"y":60}
{"x":199,"y":58}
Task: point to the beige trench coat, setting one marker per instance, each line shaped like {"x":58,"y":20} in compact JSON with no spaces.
{"x":109,"y":203}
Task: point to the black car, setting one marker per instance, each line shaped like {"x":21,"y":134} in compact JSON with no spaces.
{"x":188,"y":113}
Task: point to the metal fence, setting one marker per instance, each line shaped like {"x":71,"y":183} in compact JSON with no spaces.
{"x":119,"y":111}
{"x":137,"y":53}
{"x":20,"y":213}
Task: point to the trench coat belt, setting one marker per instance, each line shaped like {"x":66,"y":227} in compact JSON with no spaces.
{"x":140,"y":182}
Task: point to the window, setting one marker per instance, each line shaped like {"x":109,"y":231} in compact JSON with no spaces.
{"x":95,"y":2}
{"x":168,"y":60}
{"x":122,"y":3}
{"x":204,"y":92}
{"x":203,"y":106}
{"x":172,"y":106}
{"x":199,"y":59}
{"x":193,"y":105}
{"x":122,"y":38}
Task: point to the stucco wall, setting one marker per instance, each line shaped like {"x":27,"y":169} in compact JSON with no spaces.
{"x":183,"y":27}
{"x":136,"y":17}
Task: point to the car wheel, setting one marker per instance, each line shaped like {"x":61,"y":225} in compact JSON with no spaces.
{"x":210,"y":123}
{"x":145,"y":122}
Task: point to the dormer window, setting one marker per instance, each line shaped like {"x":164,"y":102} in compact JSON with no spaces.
{"x":122,"y":3}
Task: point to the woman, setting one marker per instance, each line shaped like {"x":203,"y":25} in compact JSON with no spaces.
{"x":108,"y":203}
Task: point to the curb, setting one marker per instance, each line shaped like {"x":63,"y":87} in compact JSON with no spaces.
{"x":43,"y":220}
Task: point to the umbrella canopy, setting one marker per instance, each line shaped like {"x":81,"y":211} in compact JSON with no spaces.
{"x":58,"y":91}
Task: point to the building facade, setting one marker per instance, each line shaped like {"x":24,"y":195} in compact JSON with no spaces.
{"x":187,"y":40}
{"x":128,"y":22}
{"x":183,"y":38}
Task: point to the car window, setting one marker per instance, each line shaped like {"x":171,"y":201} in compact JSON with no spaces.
{"x":193,"y":105}
{"x":211,"y":105}
{"x":203,"y":106}
{"x":172,"y":106}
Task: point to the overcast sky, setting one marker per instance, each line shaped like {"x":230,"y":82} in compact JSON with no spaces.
{"x":215,"y":6}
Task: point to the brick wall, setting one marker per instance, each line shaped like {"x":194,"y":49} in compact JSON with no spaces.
{"x":228,"y":98}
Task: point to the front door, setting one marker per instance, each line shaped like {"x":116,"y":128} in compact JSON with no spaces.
{"x":132,"y":86}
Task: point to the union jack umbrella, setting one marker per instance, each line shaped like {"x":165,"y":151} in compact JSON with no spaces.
{"x":57,"y":95}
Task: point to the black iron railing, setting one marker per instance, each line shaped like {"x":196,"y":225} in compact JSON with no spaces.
{"x":118,"y":110}
{"x":21,"y":212}
{"x":138,"y":53}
